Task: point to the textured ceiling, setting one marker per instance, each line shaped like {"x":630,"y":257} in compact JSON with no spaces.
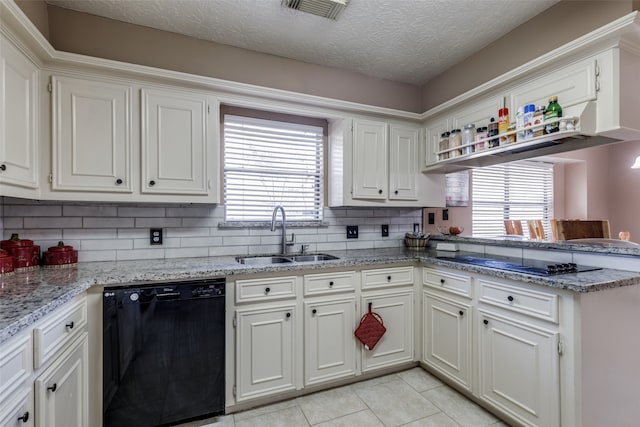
{"x":403,"y":40}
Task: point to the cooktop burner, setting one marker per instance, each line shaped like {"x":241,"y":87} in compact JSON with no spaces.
{"x":535,"y":267}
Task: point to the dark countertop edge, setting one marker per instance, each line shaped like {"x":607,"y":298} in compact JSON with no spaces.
{"x":347,"y":259}
{"x":534,"y":244}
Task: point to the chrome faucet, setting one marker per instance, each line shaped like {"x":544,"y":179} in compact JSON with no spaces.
{"x":285,"y":242}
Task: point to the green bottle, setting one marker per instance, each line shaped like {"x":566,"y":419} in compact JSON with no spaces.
{"x":554,"y":110}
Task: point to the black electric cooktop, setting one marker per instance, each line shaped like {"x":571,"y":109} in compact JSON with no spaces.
{"x":535,"y":267}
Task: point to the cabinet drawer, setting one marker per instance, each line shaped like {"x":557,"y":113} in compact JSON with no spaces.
{"x":533,"y":303}
{"x":58,"y":330}
{"x":15,"y":365}
{"x":315,"y":284}
{"x":458,"y":284}
{"x":19,"y":411}
{"x":384,"y":277}
{"x":265,"y":289}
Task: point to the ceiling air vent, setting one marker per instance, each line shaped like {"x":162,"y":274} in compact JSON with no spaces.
{"x":330,"y":9}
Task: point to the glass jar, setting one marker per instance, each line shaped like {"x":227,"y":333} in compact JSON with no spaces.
{"x":455,"y":140}
{"x":481,"y":134}
{"x":468,"y":137}
{"x":443,"y":145}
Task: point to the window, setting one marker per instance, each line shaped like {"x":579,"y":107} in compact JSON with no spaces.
{"x":520,"y":190}
{"x":269,"y":163}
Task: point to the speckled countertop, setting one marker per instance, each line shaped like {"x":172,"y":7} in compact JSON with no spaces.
{"x":28,"y":296}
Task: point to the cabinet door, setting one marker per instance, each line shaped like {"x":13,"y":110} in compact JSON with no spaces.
{"x":329,"y":343}
{"x":91,"y":136}
{"x":435,"y":128}
{"x":19,"y":412}
{"x":519,"y":369}
{"x":447,"y":337}
{"x":478,"y":113}
{"x":403,"y":164}
{"x":62,"y":390}
{"x":174,"y":143}
{"x":370,"y":159}
{"x":18,"y":98}
{"x":265,"y":346}
{"x":396,"y":345}
{"x":572,"y":85}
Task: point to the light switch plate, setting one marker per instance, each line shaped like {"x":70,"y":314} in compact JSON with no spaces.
{"x":385,"y":230}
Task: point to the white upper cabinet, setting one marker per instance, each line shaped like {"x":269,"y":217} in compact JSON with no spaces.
{"x":370,"y":159}
{"x":174,"y":142}
{"x":18,"y":121}
{"x":92,"y":135}
{"x":403,"y":164}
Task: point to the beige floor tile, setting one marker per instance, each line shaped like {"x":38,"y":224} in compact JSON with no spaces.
{"x":436,"y":420}
{"x":289,"y":417}
{"x":396,"y":403}
{"x":239,"y":416}
{"x":222,"y":421}
{"x":375,"y":381}
{"x":329,"y":404}
{"x":463,"y":411}
{"x":420,"y":379}
{"x":500,"y":424}
{"x":364,"y":418}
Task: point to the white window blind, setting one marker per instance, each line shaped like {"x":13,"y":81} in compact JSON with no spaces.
{"x":269,"y":163}
{"x":520,"y":190}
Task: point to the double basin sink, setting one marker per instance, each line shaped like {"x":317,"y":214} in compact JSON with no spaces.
{"x":266,"y":260}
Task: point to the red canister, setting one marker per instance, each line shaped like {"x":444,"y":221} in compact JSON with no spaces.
{"x":6,"y":262}
{"x":60,"y":256}
{"x":26,"y":255}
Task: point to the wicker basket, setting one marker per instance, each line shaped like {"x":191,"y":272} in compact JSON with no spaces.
{"x":416,"y":243}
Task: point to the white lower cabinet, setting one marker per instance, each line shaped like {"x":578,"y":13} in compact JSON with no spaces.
{"x":265,"y":351}
{"x":396,"y":345}
{"x":329,"y":343}
{"x":447,"y":337}
{"x":18,"y":412}
{"x":62,"y":389}
{"x":519,"y":369}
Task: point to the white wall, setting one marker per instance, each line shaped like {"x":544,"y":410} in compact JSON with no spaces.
{"x":111,"y":231}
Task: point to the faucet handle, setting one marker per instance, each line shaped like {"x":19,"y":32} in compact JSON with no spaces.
{"x":304,"y":249}
{"x":292,"y":241}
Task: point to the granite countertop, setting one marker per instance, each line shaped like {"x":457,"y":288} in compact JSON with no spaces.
{"x":28,"y":296}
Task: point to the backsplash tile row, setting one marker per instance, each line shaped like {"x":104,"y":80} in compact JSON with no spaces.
{"x":111,"y":231}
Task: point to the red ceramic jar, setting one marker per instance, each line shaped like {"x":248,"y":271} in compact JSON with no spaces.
{"x":26,"y":255}
{"x":60,"y":256}
{"x":6,"y":262}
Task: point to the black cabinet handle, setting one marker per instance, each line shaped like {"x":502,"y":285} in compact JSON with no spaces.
{"x":152,"y":183}
{"x":396,"y":192}
{"x":388,"y":278}
{"x":267,"y":290}
{"x":53,"y":388}
{"x":288,"y":315}
{"x":510,"y":298}
{"x":70,"y":325}
{"x":485,"y":321}
{"x":3,"y":167}
{"x":461,"y":313}
{"x":314,"y":311}
{"x":118,"y":181}
{"x":330,"y":284}
{"x":379,"y":191}
{"x":24,"y":418}
{"x":442,"y":281}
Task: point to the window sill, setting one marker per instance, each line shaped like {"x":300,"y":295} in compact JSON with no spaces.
{"x":267,"y":224}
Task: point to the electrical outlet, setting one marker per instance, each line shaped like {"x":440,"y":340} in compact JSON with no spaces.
{"x":432,"y":218}
{"x":352,"y":231}
{"x":155,"y":236}
{"x":385,"y":230}
{"x":445,"y":214}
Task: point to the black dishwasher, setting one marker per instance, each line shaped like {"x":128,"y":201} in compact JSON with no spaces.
{"x":163,"y":353}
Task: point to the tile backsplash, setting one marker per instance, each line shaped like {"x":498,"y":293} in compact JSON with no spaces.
{"x":112,"y":231}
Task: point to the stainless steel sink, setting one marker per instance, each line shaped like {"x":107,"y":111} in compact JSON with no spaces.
{"x":263,"y":260}
{"x":275,"y":259}
{"x":312,"y":258}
